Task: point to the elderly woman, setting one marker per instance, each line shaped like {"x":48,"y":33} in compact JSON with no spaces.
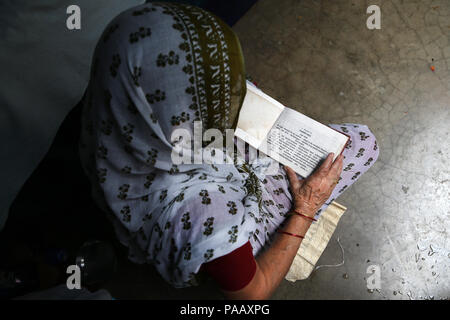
{"x":160,"y":67}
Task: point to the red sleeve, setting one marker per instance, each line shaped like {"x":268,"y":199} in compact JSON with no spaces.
{"x":233,"y":271}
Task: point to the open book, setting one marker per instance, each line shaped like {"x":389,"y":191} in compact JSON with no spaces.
{"x":284,"y":134}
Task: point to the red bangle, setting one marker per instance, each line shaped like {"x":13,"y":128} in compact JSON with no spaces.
{"x":304,"y":216}
{"x":290,"y":234}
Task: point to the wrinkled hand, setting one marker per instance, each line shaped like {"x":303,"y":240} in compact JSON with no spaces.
{"x":311,"y":193}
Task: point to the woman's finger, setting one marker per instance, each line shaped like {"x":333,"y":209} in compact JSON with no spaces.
{"x":341,"y":165}
{"x":293,"y":179}
{"x":325,"y":166}
{"x":337,"y":166}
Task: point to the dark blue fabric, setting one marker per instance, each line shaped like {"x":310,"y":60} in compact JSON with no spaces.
{"x":229,"y":11}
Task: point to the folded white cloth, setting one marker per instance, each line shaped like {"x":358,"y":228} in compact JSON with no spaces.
{"x":315,"y":242}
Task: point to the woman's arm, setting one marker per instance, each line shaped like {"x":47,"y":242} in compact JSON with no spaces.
{"x":308,"y":196}
{"x":273,"y":265}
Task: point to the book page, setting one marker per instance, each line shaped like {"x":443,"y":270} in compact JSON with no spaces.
{"x":301,"y":142}
{"x":257,"y":116}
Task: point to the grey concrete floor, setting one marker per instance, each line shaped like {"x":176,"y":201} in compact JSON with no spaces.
{"x":319,"y":58}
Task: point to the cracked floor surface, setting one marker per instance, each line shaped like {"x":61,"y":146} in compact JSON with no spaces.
{"x":319,"y":58}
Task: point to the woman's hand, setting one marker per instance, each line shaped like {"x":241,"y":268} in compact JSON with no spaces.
{"x":311,"y":193}
{"x":274,"y":263}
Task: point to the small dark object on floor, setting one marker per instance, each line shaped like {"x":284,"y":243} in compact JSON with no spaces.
{"x":97,"y":261}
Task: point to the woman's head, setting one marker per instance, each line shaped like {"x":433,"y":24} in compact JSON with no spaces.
{"x":173,"y":64}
